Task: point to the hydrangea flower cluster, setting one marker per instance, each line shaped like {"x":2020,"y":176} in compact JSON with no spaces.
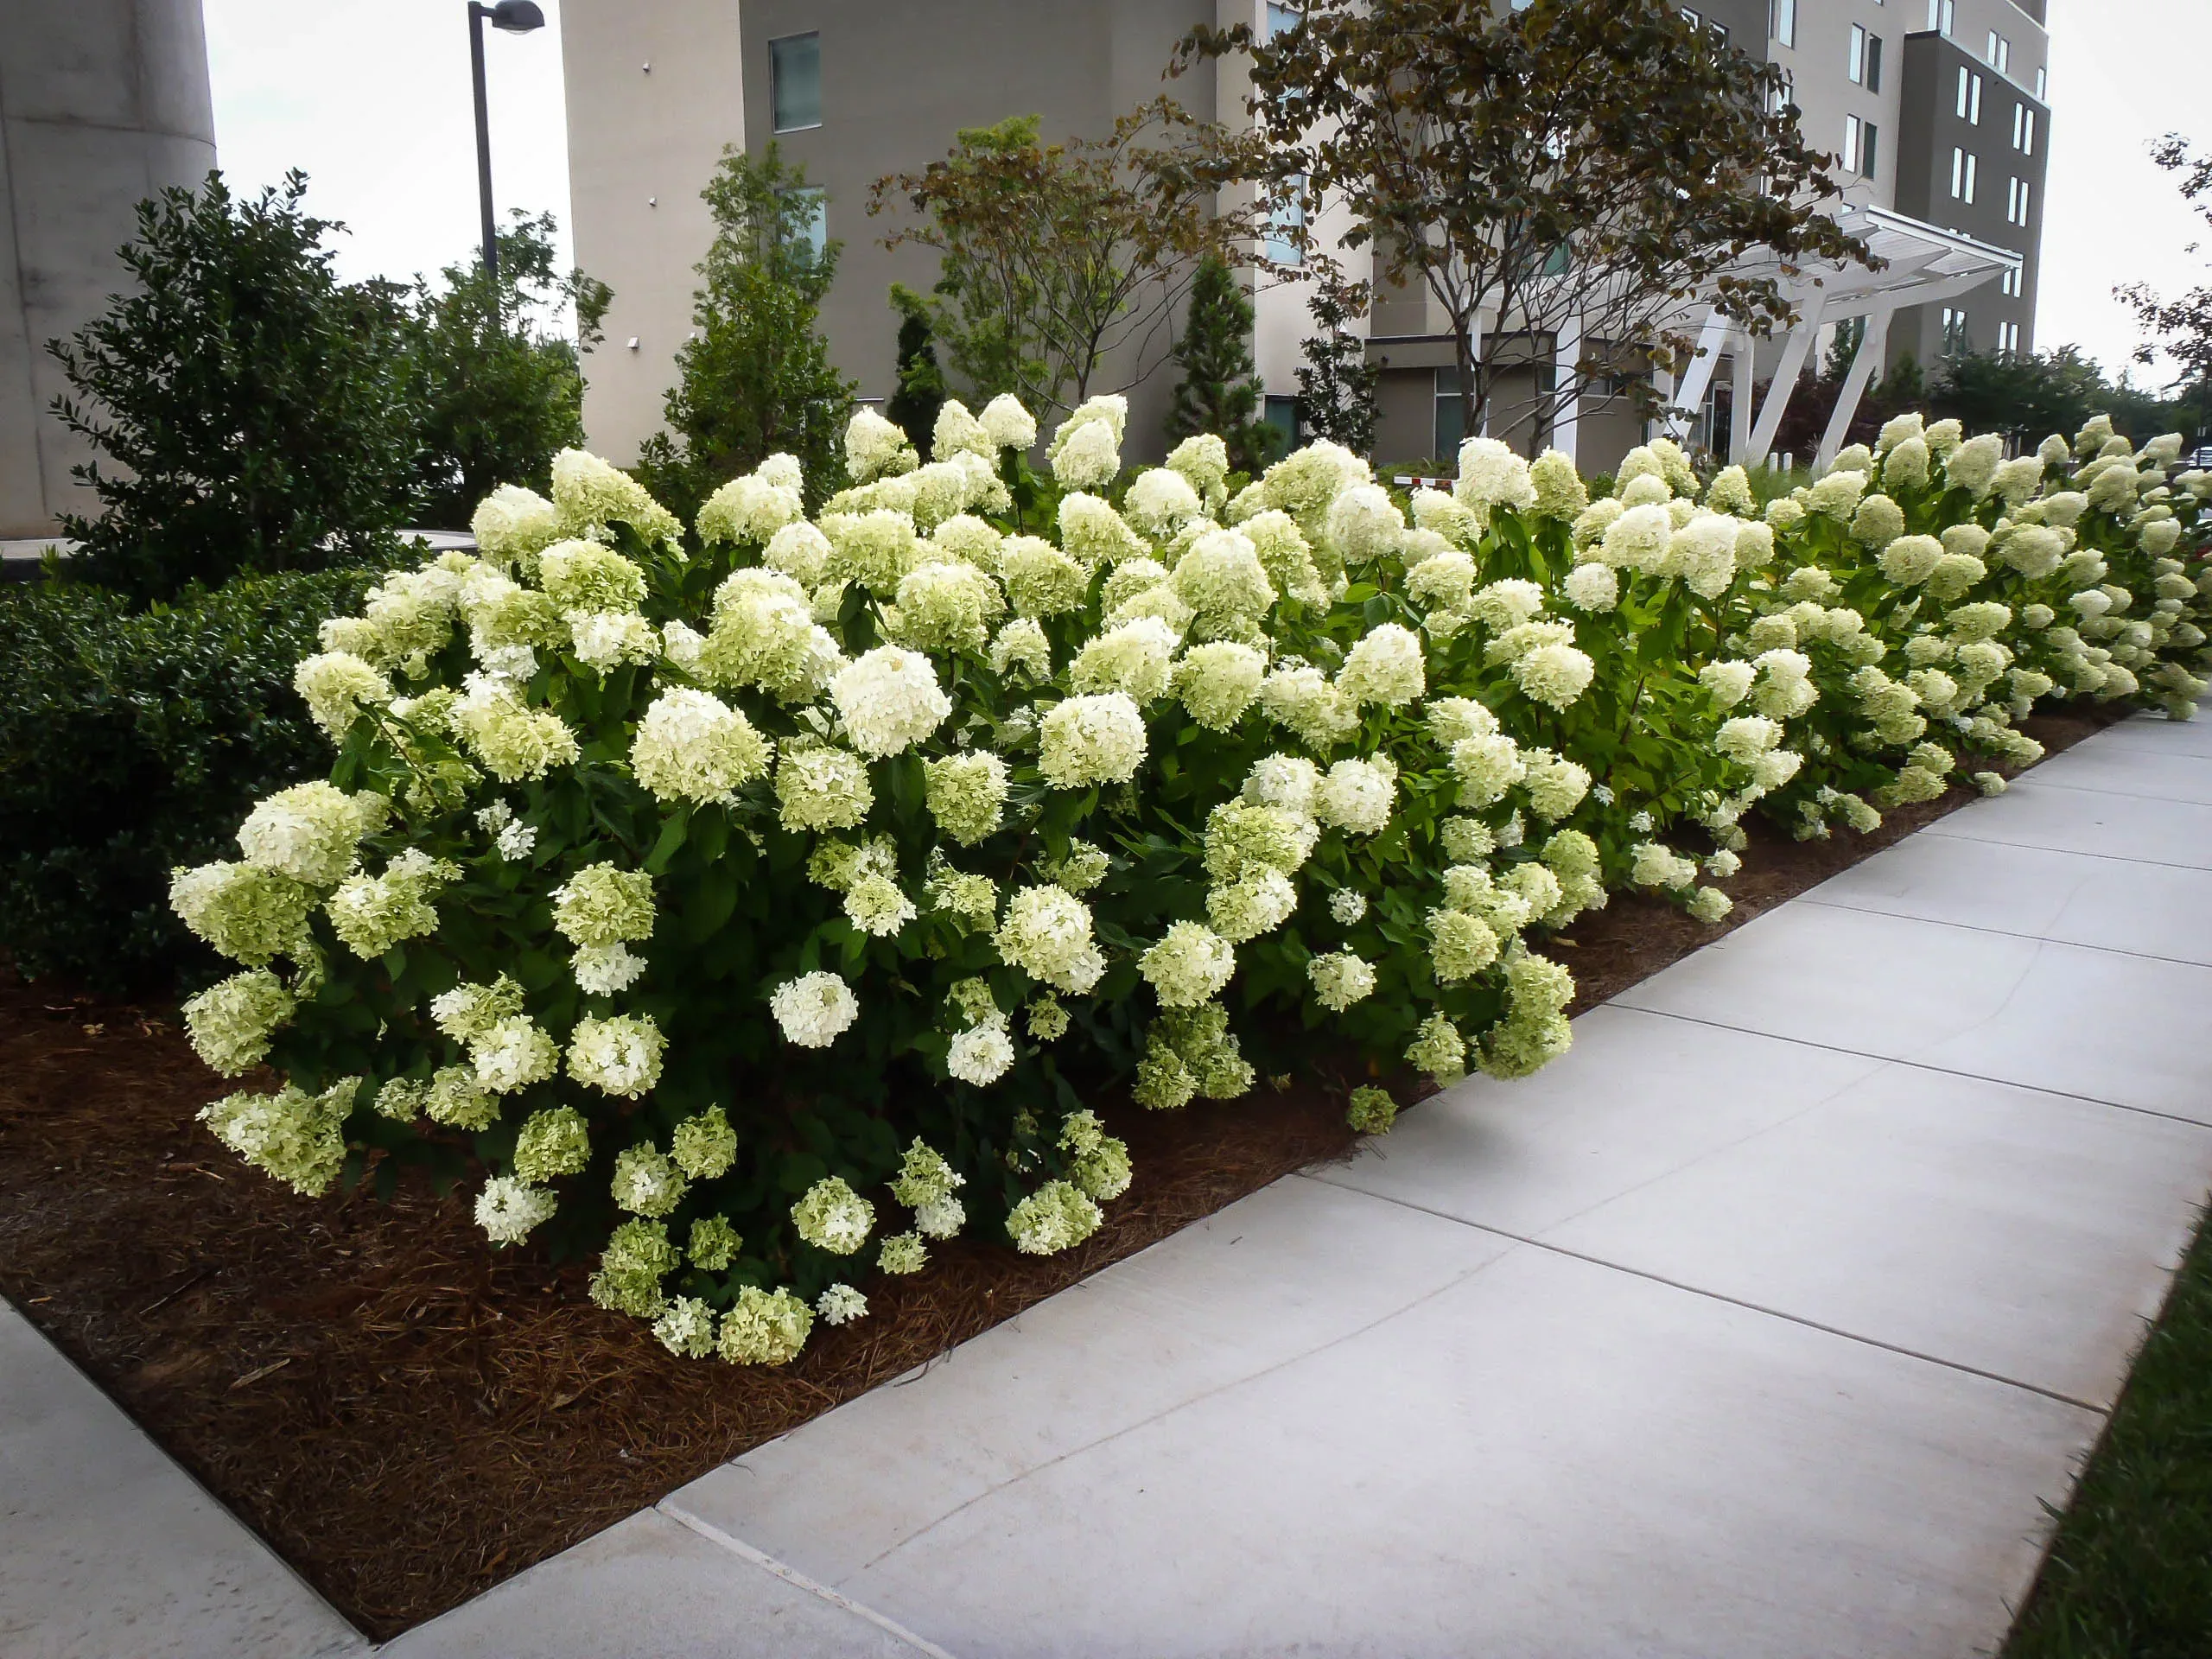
{"x":689,"y":876}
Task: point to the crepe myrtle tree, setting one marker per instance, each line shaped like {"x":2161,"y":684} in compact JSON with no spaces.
{"x":1598,"y":161}
{"x":1064,"y":266}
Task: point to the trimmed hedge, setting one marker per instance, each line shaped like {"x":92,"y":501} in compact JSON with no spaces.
{"x":132,"y":743}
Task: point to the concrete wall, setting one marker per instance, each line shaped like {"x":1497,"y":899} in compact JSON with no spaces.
{"x":103,"y":102}
{"x":655,"y":92}
{"x":1935,"y":130}
{"x":899,"y":81}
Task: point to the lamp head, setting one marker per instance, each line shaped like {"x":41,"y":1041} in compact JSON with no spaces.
{"x":517,"y":17}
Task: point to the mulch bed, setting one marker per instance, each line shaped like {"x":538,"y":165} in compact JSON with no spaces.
{"x":409,"y":1418}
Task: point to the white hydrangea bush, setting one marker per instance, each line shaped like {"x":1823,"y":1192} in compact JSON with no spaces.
{"x":753,"y":906}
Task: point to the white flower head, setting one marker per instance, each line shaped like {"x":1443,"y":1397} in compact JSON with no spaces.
{"x":814,"y":1009}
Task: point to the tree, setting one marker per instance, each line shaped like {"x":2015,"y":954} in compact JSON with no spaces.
{"x":252,"y":410}
{"x":755,"y":378}
{"x":1599,"y":164}
{"x":1063,"y":265}
{"x":913,"y":407}
{"x":1218,"y":392}
{"x":1337,"y":384}
{"x":2181,"y":327}
{"x":498,"y":390}
{"x":2026,"y":396}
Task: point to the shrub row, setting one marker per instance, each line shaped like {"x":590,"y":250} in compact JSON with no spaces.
{"x":131,"y":743}
{"x":754,"y":902}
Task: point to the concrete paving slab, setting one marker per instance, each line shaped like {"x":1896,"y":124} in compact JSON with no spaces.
{"x":1546,"y":1457}
{"x":2117,"y":770}
{"x":2028,"y":1236}
{"x":2120,"y":1029}
{"x":108,"y":1550}
{"x":647,"y":1588}
{"x":2113,"y":904}
{"x":2012,"y":1232}
{"x":1291,"y":1270}
{"x":2159,"y":735}
{"x":1639,"y":1097}
{"x":2031,"y":814}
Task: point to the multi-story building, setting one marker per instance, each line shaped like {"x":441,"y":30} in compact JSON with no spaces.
{"x":1934,"y":109}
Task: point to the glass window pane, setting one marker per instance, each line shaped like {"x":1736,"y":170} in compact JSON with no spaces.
{"x":795,"y":74}
{"x":1450,"y":425}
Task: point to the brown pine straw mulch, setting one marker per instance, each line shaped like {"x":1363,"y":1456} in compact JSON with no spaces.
{"x":409,"y":1418}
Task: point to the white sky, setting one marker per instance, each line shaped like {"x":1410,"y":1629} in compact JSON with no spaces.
{"x":371,"y":99}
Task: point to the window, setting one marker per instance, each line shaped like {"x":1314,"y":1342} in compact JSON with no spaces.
{"x":1781,"y":20}
{"x":2023,"y":129}
{"x":795,"y":82}
{"x":1860,"y":146}
{"x":2008,"y":338}
{"x":2042,"y":84}
{"x":1942,"y":15}
{"x":1957,"y":341}
{"x":1784,"y":97}
{"x":2011,"y":283}
{"x":1450,"y":425}
{"x":814,"y":229}
{"x":2016,"y":202}
{"x":1963,"y":169}
{"x":1866,"y":66}
{"x":1998,"y":52}
{"x":1281,"y":414}
{"x":1969,"y":97}
{"x":1281,"y":17}
{"x":1286,"y":219}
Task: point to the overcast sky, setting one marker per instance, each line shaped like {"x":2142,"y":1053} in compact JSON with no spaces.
{"x":372,"y":101}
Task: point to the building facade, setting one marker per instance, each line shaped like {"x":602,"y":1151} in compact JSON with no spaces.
{"x":103,"y":102}
{"x":853,"y":91}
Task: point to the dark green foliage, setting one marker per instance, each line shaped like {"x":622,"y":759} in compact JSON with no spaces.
{"x":913,"y":407}
{"x":252,"y":408}
{"x":756,"y":378}
{"x":498,"y":392}
{"x":2129,"y":1575}
{"x":1218,"y":392}
{"x":1336,"y":384}
{"x":130,"y":743}
{"x":2027,"y":396}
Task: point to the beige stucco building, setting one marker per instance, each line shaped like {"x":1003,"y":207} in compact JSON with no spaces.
{"x":857,"y":90}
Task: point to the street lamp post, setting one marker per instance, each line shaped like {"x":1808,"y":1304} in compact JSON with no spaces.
{"x":512,"y":17}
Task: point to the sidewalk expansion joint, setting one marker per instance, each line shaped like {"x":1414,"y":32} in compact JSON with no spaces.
{"x":1998,"y":1377}
{"x":1941,"y":834}
{"x":2004,"y":933}
{"x":790,"y":1575}
{"x":1918,"y":1066}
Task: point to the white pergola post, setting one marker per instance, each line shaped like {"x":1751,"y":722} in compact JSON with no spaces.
{"x":1873,"y":345}
{"x":1566,"y":417}
{"x":1739,"y":409}
{"x":1795,"y":349}
{"x":1691,"y":395}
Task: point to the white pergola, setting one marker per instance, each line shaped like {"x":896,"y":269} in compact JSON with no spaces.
{"x":1924,"y":265}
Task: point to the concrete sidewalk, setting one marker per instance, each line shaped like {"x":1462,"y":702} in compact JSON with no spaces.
{"x":1761,"y":1324}
{"x":1764,"y":1323}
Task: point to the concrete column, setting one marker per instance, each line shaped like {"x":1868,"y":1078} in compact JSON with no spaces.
{"x":103,"y":102}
